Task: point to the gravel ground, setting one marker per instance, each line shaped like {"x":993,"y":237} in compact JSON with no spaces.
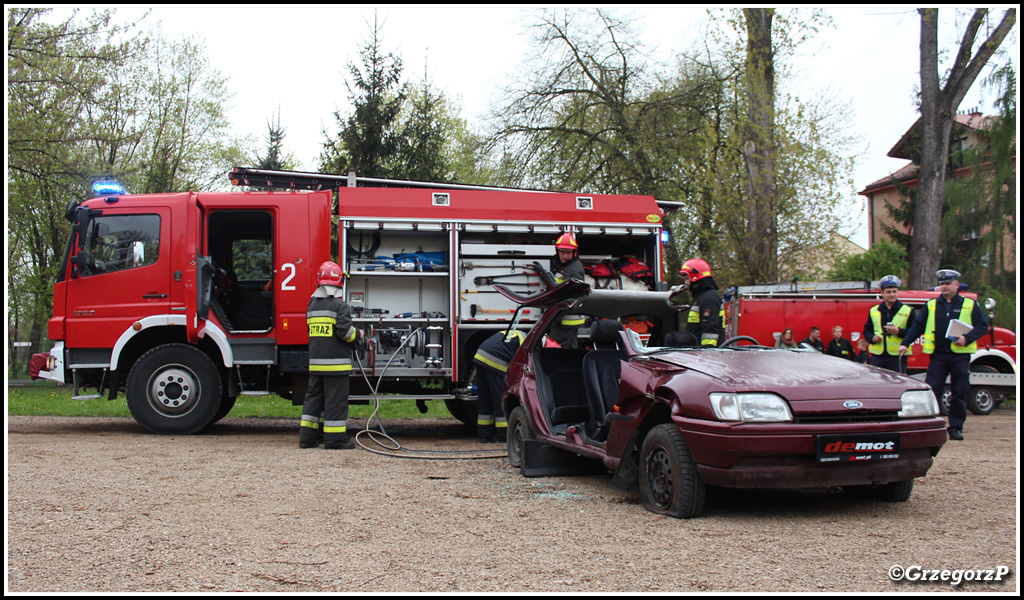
{"x":98,"y":505}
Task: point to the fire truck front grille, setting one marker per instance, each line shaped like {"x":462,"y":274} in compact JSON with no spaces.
{"x":874,"y":417}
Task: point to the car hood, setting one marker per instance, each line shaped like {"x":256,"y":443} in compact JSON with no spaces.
{"x":795,"y":375}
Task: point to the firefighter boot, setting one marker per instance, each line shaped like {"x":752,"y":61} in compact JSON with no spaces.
{"x":310,"y":436}
{"x":338,"y":441}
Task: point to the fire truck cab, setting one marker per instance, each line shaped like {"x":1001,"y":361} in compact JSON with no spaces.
{"x":186,"y":301}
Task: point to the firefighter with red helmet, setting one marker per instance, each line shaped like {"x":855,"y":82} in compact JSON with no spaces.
{"x":331,"y":337}
{"x":565,"y":266}
{"x":706,"y":319}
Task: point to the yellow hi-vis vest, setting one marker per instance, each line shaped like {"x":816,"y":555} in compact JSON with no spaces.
{"x":928,"y":339}
{"x":889,"y":343}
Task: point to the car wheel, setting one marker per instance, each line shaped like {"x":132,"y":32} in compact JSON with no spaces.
{"x":982,"y":400}
{"x":174,"y":389}
{"x":519,"y":429}
{"x":897,"y":491}
{"x":669,"y":482}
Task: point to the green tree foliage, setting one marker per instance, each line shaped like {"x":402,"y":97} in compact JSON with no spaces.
{"x":368,"y":140}
{"x":884,"y":258}
{"x":275,"y":157}
{"x":88,"y":100}
{"x":55,"y":73}
{"x":590,"y":114}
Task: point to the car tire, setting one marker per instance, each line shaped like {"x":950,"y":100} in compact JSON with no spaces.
{"x":897,"y":491}
{"x":669,"y":482}
{"x":519,"y":430}
{"x":174,"y":389}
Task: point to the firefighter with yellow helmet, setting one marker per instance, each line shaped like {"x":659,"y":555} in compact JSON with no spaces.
{"x":565,"y":266}
{"x":331,"y":337}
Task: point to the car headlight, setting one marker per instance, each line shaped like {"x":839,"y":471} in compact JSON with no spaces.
{"x":918,"y":403}
{"x":750,"y":408}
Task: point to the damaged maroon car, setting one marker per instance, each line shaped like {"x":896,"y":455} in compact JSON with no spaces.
{"x":671,"y":418}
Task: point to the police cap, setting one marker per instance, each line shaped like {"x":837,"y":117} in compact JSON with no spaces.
{"x":947,"y":275}
{"x":890,"y":281}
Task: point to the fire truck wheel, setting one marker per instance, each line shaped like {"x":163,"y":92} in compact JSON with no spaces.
{"x":226,"y":404}
{"x":944,"y":401}
{"x":982,"y":400}
{"x":519,"y":429}
{"x":174,"y":389}
{"x":669,"y":482}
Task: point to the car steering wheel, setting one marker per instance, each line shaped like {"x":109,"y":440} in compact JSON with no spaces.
{"x":739,"y":338}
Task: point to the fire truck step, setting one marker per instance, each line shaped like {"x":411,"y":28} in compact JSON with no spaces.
{"x":255,"y":393}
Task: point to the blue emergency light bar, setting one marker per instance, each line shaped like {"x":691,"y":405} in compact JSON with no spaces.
{"x":107,"y":188}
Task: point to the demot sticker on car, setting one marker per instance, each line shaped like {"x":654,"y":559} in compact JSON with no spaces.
{"x":851,"y":447}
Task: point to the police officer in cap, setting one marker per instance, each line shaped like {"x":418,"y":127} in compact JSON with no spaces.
{"x":950,"y":351}
{"x":887,"y":326}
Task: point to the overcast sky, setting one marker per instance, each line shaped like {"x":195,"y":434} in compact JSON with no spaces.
{"x":294,"y":57}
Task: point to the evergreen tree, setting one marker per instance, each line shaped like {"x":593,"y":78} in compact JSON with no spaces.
{"x":368,"y":140}
{"x":274,"y":158}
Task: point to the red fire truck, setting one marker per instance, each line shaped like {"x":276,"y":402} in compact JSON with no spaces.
{"x":762,"y":312}
{"x":186,"y":301}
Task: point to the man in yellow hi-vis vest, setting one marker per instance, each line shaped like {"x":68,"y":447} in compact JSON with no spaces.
{"x":950,"y":353}
{"x":331,"y":336}
{"x":887,"y":326}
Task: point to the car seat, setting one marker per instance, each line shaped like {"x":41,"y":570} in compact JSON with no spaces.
{"x":680,"y":339}
{"x":602,"y":368}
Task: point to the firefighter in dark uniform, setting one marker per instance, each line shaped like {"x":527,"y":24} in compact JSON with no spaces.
{"x":887,"y":326}
{"x":492,"y":360}
{"x":949,"y":357}
{"x":331,"y":337}
{"x":706,"y":320}
{"x":564,"y":267}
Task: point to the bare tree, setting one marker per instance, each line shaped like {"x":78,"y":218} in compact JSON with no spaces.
{"x":938,"y":106}
{"x":759,"y":145}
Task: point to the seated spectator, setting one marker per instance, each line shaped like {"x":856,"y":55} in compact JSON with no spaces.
{"x":840,"y":346}
{"x":814,"y":340}
{"x":786,"y":340}
{"x":863,"y":356}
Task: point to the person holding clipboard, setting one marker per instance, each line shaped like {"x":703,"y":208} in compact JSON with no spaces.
{"x":960,"y":323}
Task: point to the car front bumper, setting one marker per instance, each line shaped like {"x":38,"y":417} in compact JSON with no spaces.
{"x":784,"y":454}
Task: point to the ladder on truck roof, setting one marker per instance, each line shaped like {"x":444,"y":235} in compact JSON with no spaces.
{"x":796,"y":288}
{"x":302,"y":180}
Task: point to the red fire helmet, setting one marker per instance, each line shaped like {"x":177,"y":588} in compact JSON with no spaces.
{"x":330,"y":273}
{"x":566,"y":241}
{"x":696,"y":269}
